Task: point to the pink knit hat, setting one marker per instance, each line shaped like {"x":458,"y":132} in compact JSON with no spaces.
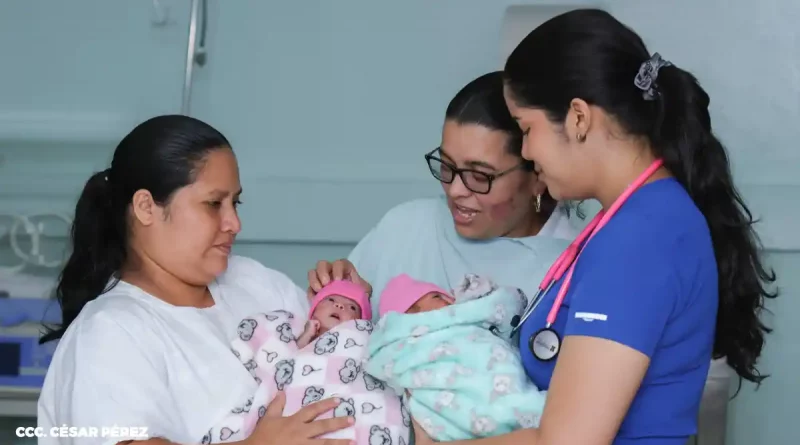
{"x":402,"y":291}
{"x":346,"y":289}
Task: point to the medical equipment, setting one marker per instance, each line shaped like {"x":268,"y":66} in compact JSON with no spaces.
{"x":546,"y":343}
{"x":25,"y":304}
{"x":196,"y":50}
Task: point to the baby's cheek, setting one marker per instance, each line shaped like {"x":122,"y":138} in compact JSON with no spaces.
{"x":318,"y":313}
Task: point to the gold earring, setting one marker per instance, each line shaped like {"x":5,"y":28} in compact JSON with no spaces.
{"x":538,"y":205}
{"x":581,"y":138}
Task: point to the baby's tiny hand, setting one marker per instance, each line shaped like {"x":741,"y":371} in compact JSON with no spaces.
{"x":312,"y":327}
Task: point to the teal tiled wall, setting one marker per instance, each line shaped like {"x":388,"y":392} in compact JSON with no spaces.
{"x":331,"y":105}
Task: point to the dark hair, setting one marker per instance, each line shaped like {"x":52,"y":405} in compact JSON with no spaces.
{"x":590,"y":55}
{"x":160,"y":155}
{"x":481,"y":102}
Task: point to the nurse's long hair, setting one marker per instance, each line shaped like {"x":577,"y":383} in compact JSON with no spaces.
{"x":588,"y":54}
{"x":160,"y":155}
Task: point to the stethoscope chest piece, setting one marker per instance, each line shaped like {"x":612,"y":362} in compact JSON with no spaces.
{"x":545,"y":344}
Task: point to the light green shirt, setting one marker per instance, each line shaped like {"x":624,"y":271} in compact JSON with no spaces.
{"x":419,"y":238}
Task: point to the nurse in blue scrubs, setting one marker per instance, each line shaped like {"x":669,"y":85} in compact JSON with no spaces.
{"x":495,"y":217}
{"x":666,"y":277}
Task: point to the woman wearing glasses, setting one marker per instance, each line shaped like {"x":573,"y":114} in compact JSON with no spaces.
{"x":667,"y":275}
{"x":496,"y":217}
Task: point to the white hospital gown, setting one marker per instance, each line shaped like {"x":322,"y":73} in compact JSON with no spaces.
{"x":132,"y":360}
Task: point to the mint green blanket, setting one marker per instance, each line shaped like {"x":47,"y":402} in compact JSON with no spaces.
{"x":465,"y":377}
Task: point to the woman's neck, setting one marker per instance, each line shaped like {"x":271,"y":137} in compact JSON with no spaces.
{"x":153,"y":279}
{"x":621,"y":172}
{"x":533,"y":224}
{"x":613,"y":191}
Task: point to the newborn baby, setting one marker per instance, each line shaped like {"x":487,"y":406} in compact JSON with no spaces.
{"x":324,"y":361}
{"x":453,"y":354}
{"x":330,"y":309}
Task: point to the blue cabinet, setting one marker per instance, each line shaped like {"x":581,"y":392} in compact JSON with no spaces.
{"x":23,"y":362}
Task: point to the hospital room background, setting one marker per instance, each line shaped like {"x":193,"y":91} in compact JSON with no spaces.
{"x":330,"y":107}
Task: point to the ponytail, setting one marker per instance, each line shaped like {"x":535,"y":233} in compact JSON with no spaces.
{"x":682,"y":136}
{"x":97,"y":238}
{"x":588,"y":54}
{"x":160,"y":155}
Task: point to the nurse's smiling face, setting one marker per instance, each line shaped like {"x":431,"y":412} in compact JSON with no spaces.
{"x":507,"y":210}
{"x":568,"y":168}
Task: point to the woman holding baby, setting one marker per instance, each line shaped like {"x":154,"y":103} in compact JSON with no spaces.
{"x":153,"y":303}
{"x":666,"y":276}
{"x":152,"y":299}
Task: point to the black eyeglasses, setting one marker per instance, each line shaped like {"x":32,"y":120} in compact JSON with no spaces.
{"x":474,"y":180}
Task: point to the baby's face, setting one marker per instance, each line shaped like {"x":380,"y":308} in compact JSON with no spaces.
{"x":430,"y":302}
{"x":335,"y":309}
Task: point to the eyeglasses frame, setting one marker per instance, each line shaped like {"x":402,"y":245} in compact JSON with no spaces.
{"x":491,"y":177}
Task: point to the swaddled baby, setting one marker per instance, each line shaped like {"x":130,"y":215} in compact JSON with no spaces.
{"x":453,"y":354}
{"x":324,"y":361}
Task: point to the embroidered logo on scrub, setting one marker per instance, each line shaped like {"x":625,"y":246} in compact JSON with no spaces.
{"x":591,"y":316}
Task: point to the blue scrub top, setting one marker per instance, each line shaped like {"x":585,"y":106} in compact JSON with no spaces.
{"x":648,"y":280}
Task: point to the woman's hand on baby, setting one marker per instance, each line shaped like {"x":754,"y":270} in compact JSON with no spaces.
{"x":421,"y":437}
{"x":325,"y":272}
{"x":312,"y":327}
{"x":300,"y":428}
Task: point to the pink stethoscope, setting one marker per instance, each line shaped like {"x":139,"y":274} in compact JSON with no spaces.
{"x":545,"y":343}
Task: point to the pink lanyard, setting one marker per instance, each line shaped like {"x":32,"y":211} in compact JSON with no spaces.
{"x":569,"y":257}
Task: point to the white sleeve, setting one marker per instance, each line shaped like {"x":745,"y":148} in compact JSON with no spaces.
{"x":270,"y":284}
{"x":296,"y":298}
{"x":101,"y":379}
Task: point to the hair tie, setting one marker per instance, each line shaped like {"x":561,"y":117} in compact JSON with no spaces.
{"x":647,"y":76}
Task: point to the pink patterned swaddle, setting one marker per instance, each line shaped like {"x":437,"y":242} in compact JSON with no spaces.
{"x":329,"y":366}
